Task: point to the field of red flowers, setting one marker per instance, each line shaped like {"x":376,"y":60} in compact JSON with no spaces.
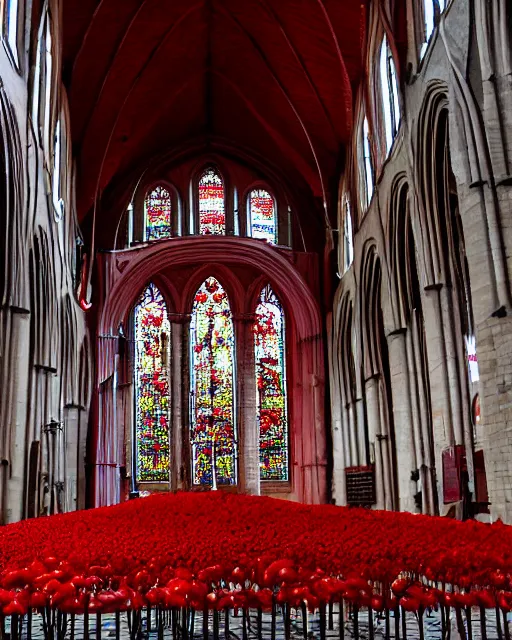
{"x":220,"y":550}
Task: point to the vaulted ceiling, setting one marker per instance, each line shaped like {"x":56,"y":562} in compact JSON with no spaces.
{"x":271,"y":77}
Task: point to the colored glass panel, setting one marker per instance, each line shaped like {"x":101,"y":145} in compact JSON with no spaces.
{"x":158,"y":207}
{"x":269,"y":340}
{"x":213,"y":435}
{"x":152,"y":387}
{"x":263,"y":215}
{"x":212,"y":219}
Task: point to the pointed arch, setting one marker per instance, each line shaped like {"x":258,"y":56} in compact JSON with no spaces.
{"x":213,"y":428}
{"x":270,"y":361}
{"x":152,"y":441}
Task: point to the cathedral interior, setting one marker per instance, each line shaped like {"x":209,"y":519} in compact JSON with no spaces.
{"x":258,"y":247}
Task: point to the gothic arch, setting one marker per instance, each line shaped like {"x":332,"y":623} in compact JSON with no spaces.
{"x":225,"y":277}
{"x":377,"y":380}
{"x":143,"y":264}
{"x":432,"y":135}
{"x":129,"y":272}
{"x":166,"y":288}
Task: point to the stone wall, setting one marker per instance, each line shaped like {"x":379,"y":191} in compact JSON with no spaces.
{"x":451,"y":162}
{"x":44,"y":358}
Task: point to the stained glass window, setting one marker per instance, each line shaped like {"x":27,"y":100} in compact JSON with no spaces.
{"x":262,"y":215}
{"x":152,"y":387}
{"x":269,"y":341}
{"x":158,"y":209}
{"x":213,"y":434}
{"x":212,"y":219}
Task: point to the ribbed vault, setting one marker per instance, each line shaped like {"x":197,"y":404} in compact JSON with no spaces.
{"x":274,"y":76}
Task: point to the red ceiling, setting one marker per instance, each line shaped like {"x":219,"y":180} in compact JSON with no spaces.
{"x":270,"y":76}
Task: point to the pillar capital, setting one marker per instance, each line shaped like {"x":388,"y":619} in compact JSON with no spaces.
{"x":179,"y":318}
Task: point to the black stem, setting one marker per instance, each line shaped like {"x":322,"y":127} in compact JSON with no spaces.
{"x":356,"y":622}
{"x":304,"y":611}
{"x":205,"y":623}
{"x":498,"y":624}
{"x":245,"y":614}
{"x":226,"y":623}
{"x":420,"y":623}
{"x":460,"y":623}
{"x":287,"y":622}
{"x":469,"y":623}
{"x":505,"y":625}
{"x":322,"y":622}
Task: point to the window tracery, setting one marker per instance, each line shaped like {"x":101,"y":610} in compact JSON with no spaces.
{"x":213,"y":430}
{"x":152,"y":387}
{"x":262,"y":215}
{"x":269,"y":342}
{"x":158,"y":213}
{"x":212,"y":217}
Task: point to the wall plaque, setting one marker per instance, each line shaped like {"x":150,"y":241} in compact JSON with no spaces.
{"x":360,"y":486}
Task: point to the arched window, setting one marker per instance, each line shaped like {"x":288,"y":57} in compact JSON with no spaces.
{"x":152,"y":388}
{"x":48,"y":85}
{"x":269,"y":341}
{"x":213,"y":432}
{"x":432,"y":9}
{"x":212,"y":218}
{"x":58,"y":202}
{"x":262,"y":215}
{"x":389,"y":88}
{"x":348,"y":247}
{"x":11,"y":18}
{"x":158,"y":213}
{"x":368,"y":164}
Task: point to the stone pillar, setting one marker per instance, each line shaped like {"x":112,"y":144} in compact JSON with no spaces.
{"x":71,"y":457}
{"x":403,"y":419}
{"x":247,"y":408}
{"x":17,"y":425}
{"x":180,"y":391}
{"x":374,"y":436}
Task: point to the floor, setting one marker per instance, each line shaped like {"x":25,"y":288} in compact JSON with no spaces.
{"x":327,"y":627}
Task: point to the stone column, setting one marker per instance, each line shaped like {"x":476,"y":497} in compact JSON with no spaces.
{"x":374,"y":437}
{"x":247,"y":408}
{"x":16,"y":427}
{"x":403,"y":418}
{"x":180,"y":391}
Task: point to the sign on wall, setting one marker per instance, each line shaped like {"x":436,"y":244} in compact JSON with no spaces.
{"x":360,"y":486}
